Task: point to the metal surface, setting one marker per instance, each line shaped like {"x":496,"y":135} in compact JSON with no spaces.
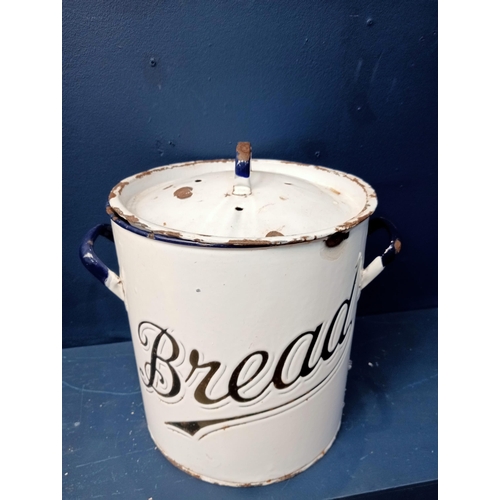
{"x":242,"y":353}
{"x":243,"y":384}
{"x":226,"y":415}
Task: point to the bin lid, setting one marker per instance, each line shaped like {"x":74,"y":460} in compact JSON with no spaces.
{"x":244,"y":202}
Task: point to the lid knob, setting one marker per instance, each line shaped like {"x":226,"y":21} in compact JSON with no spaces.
{"x":241,"y":185}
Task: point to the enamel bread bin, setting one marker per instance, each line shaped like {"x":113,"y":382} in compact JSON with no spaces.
{"x":241,"y":280}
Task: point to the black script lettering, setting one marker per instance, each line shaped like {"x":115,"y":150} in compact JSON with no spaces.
{"x":233,"y":382}
{"x":340,"y":325}
{"x":305,"y":369}
{"x":154,"y":371}
{"x":200,"y":394}
{"x":325,"y":353}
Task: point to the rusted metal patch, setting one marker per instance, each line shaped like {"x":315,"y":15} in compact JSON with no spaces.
{"x":353,"y":222}
{"x":243,"y":151}
{"x":173,"y":234}
{"x":241,"y":485}
{"x":181,"y":467}
{"x":184,"y":192}
{"x":356,"y":180}
{"x":336,"y":239}
{"x":143,"y":174}
{"x":118,"y":189}
{"x":273,"y":233}
{"x":132,"y":219}
{"x":249,"y":243}
{"x":304,"y":239}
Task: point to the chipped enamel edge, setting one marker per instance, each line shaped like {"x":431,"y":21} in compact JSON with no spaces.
{"x":119,"y":213}
{"x":239,"y":484}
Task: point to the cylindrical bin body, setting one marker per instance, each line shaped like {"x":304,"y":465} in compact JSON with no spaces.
{"x":242,"y":353}
{"x":241,"y":293}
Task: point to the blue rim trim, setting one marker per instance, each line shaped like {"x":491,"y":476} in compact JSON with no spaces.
{"x":377,"y":223}
{"x":170,"y":239}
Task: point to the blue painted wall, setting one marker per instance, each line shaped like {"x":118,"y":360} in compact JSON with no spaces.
{"x":345,"y":84}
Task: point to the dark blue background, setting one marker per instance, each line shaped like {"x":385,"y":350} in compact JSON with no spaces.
{"x":345,"y":84}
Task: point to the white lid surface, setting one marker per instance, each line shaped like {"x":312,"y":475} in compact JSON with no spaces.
{"x":289,"y":202}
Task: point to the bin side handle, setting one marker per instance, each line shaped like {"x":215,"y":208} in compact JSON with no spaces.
{"x":90,"y":260}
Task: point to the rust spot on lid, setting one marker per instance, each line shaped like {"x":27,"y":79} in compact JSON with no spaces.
{"x":324,"y":169}
{"x":131,"y":218}
{"x":117,"y":189}
{"x":273,"y":233}
{"x":397,"y":246}
{"x":119,"y":212}
{"x":248,"y":242}
{"x":353,"y":222}
{"x":356,"y":180}
{"x":184,"y":192}
{"x":334,"y":191}
{"x":168,"y":187}
{"x":173,"y":234}
{"x":143,"y":174}
{"x":243,"y":151}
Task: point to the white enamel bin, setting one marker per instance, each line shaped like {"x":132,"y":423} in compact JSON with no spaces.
{"x":241,"y":296}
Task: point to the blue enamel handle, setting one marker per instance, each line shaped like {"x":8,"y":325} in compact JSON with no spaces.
{"x":90,"y":260}
{"x":380,"y":263}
